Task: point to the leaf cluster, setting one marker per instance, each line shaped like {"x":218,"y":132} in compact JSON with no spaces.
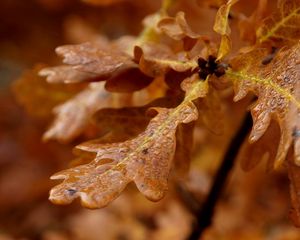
{"x":149,"y":94}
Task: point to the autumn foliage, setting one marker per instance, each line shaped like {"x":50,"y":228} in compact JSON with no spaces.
{"x":154,"y":107}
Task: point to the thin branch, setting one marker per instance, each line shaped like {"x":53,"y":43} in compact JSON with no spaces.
{"x":205,"y":214}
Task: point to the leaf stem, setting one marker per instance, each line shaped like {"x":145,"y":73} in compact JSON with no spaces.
{"x":205,"y":214}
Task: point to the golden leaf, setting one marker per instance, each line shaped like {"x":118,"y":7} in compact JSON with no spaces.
{"x":221,"y":26}
{"x":158,"y":59}
{"x":127,"y":122}
{"x":89,"y":61}
{"x":277,"y":87}
{"x":252,"y":154}
{"x":73,"y":116}
{"x":146,"y":159}
{"x":282,"y":28}
{"x":176,"y":27}
{"x":67,"y":74}
{"x":98,"y":62}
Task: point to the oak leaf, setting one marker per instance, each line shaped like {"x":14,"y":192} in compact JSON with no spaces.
{"x":157,"y":59}
{"x":178,"y":29}
{"x":146,"y":159}
{"x":67,"y":74}
{"x":73,"y":116}
{"x":99,"y":61}
{"x":221,"y":26}
{"x":127,"y":122}
{"x":91,"y":58}
{"x":251,"y":154}
{"x":281,"y":28}
{"x":277,"y":88}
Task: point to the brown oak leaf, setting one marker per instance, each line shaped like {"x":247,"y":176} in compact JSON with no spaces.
{"x":281,"y":28}
{"x":99,"y":61}
{"x":146,"y":159}
{"x":73,"y":116}
{"x":127,"y":122}
{"x":93,"y":58}
{"x":221,"y":26}
{"x":157,"y":59}
{"x":277,"y":88}
{"x":178,"y":29}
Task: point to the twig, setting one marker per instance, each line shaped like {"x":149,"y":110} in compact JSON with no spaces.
{"x":205,"y":214}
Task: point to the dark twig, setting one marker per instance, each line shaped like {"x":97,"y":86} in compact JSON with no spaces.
{"x":205,"y":214}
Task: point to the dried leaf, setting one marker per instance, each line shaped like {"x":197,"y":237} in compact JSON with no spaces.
{"x":90,"y":60}
{"x":146,"y":159}
{"x":157,"y":60}
{"x":128,"y":122}
{"x":67,"y":74}
{"x":128,"y":80}
{"x":277,"y":87}
{"x":73,"y":116}
{"x":221,"y":26}
{"x":264,"y":148}
{"x":177,"y":27}
{"x":282,"y":28}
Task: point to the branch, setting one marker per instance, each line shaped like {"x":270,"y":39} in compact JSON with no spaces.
{"x":205,"y":214}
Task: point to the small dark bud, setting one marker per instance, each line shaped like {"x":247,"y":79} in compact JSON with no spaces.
{"x":211,"y":66}
{"x":203,"y":73}
{"x":211,"y":59}
{"x":201,"y":62}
